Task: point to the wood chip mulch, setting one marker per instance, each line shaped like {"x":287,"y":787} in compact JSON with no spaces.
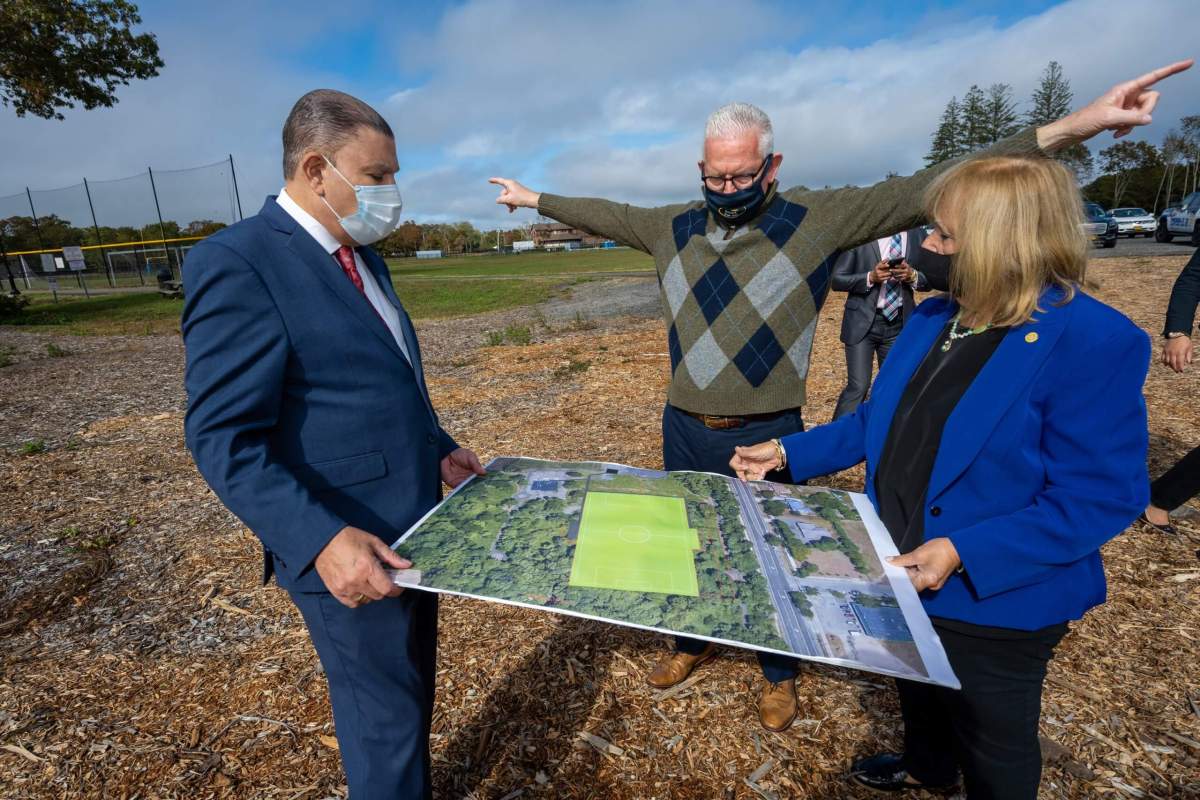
{"x":139,"y":657}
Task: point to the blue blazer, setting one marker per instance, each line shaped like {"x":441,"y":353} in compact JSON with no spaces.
{"x":1042,"y":461}
{"x":303,"y":415}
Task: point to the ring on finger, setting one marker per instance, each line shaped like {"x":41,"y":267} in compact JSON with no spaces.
{"x":360,"y":598}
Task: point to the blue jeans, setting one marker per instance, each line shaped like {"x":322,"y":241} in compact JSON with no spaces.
{"x":688,"y":444}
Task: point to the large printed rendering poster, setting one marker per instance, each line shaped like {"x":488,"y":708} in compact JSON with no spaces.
{"x":788,"y":569}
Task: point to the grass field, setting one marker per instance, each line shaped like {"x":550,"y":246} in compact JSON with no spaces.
{"x":450,"y":287}
{"x":635,"y":543}
{"x":580,"y":262}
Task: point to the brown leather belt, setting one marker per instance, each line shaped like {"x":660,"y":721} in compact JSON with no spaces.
{"x":719,"y":423}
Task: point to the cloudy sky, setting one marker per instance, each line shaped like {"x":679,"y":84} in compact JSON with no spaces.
{"x":603,"y":98}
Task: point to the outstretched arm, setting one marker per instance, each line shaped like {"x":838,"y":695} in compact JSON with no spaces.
{"x":632,"y":226}
{"x":896,"y":204}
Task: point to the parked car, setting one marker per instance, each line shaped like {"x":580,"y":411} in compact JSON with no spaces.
{"x":1099,"y":226}
{"x":1180,"y":220}
{"x":1133,"y":222}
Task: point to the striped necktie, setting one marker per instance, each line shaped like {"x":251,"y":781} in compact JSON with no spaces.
{"x":892,"y":300}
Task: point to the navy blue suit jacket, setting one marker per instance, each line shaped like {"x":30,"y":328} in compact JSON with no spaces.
{"x":1042,"y":461}
{"x":303,"y":414}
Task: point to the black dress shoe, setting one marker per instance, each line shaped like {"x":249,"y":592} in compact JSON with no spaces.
{"x":885,"y":772}
{"x":1167,"y":529}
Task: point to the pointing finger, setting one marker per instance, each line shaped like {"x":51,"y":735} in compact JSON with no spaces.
{"x":1154,"y":76}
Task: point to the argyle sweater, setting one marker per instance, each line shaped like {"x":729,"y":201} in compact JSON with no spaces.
{"x":741,"y":306}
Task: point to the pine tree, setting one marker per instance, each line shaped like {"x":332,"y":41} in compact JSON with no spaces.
{"x":948,"y":136}
{"x":1002,"y":118}
{"x":974,"y":119}
{"x":1052,"y":99}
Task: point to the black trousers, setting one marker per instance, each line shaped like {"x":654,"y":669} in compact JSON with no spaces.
{"x":1178,"y":484}
{"x":689,"y":445}
{"x":874,"y":346}
{"x":989,"y":730}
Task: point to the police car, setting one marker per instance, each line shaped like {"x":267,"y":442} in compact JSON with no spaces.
{"x":1180,"y":220}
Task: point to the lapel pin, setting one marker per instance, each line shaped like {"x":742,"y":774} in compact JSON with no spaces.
{"x":1031,"y":337}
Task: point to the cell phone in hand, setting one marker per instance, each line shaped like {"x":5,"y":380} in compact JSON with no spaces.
{"x":894,"y":262}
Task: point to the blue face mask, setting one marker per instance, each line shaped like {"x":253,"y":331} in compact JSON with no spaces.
{"x":738,"y":206}
{"x":377,"y":214}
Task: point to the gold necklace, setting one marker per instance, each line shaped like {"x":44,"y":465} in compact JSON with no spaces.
{"x":956,"y":333}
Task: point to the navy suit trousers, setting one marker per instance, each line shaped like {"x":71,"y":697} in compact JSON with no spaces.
{"x":380,"y":661}
{"x":688,"y":444}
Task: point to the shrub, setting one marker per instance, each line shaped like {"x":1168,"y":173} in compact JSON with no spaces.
{"x":518,"y":334}
{"x":11,"y":305}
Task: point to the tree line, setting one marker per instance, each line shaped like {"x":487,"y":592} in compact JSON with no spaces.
{"x":451,"y":238}
{"x":1131,"y":173}
{"x":23,"y":233}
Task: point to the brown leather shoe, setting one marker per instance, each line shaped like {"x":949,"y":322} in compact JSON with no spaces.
{"x":677,"y":666}
{"x":777,"y":705}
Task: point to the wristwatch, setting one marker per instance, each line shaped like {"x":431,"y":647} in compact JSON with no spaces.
{"x":1175,"y":334}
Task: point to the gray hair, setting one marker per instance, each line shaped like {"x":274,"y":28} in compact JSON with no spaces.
{"x":324,"y":120}
{"x":732,"y":119}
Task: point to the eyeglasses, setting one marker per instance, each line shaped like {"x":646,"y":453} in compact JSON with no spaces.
{"x":717,"y":183}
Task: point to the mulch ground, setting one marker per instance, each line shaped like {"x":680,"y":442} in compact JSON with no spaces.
{"x":140,"y":658}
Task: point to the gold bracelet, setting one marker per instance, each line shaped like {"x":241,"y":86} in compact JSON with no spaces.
{"x":782,"y":453}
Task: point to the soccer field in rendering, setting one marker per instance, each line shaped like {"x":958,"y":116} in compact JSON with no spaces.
{"x":635,"y":543}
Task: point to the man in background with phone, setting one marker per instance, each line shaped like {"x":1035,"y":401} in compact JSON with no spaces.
{"x":879,"y":282}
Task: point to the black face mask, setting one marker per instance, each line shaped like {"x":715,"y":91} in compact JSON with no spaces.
{"x":738,"y":206}
{"x":934,"y":266}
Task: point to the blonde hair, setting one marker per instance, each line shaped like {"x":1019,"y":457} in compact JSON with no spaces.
{"x":1017,"y":225}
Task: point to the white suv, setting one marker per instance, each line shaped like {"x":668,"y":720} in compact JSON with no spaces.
{"x":1180,"y":220}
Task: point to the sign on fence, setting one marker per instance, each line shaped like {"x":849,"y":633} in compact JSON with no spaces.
{"x":47,"y":262}
{"x":74,"y":258}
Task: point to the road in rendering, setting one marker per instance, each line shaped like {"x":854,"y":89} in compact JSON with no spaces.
{"x":794,"y":628}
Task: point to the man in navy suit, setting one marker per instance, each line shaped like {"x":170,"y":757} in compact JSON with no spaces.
{"x":309,"y":416}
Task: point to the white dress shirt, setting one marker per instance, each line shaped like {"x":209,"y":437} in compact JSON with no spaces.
{"x":387,"y":311}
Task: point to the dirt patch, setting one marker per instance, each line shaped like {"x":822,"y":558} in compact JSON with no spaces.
{"x":832,"y":562}
{"x":173,"y":673}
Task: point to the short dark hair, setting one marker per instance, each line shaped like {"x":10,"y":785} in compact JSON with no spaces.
{"x":325,"y":119}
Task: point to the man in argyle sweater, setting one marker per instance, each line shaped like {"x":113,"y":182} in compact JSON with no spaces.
{"x":743,"y":275}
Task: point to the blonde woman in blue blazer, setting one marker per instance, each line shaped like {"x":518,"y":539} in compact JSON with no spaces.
{"x":1005,"y":442}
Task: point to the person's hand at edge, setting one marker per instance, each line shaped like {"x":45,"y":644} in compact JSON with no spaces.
{"x":754,"y":462}
{"x":350,"y":565}
{"x":1177,"y":353}
{"x":460,"y":465}
{"x":930,"y":564}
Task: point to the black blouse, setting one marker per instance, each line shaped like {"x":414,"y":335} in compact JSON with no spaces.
{"x":906,"y":464}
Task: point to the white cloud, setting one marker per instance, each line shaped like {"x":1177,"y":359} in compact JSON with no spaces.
{"x":850,"y":115}
{"x":591,"y":98}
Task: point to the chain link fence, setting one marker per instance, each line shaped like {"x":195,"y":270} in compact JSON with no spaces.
{"x":131,"y":232}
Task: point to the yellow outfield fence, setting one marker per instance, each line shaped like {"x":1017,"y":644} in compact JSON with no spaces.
{"x":113,"y":234}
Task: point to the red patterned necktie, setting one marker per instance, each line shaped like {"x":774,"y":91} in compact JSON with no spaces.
{"x":345,"y":257}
